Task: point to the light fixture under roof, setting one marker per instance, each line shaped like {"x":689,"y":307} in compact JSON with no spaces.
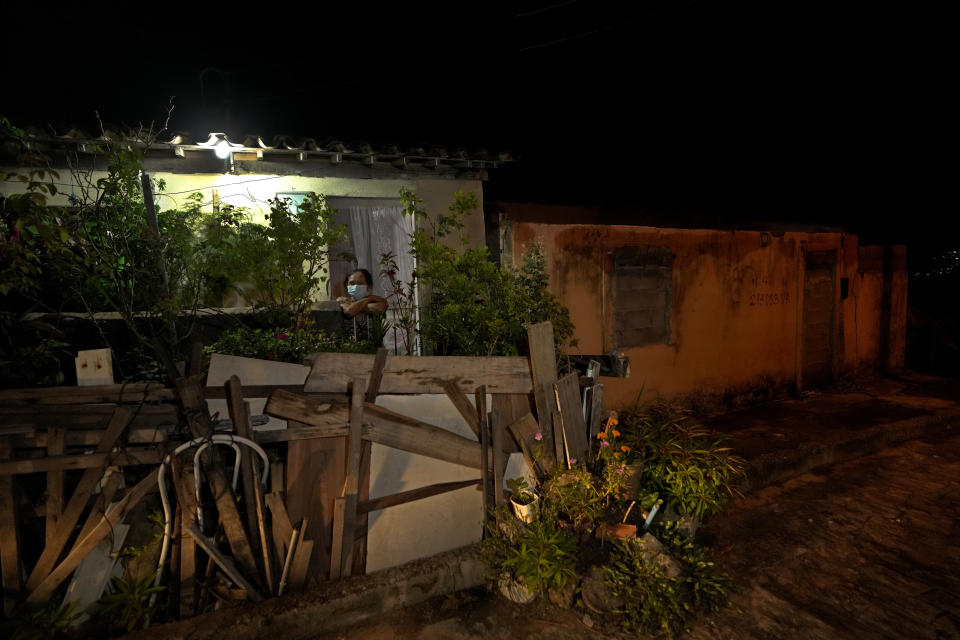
{"x":220,"y":144}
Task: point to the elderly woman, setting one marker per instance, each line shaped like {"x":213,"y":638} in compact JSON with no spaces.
{"x":359,"y":304}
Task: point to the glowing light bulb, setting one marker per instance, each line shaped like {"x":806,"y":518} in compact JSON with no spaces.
{"x":222,"y":149}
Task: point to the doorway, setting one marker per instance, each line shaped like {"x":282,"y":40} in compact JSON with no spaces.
{"x":819,"y":295}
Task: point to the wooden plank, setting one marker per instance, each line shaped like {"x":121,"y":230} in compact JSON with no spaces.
{"x":110,"y":484}
{"x":79,"y":500}
{"x":499,"y":458}
{"x":56,"y":446}
{"x":567,"y":390}
{"x":288,"y":560}
{"x":10,"y":567}
{"x":595,"y":425}
{"x":279,"y":522}
{"x":336,"y":549}
{"x":409,"y":434}
{"x":250,"y":478}
{"x":543,"y":367}
{"x":481,"y":401}
{"x":332,"y":372}
{"x":136,"y":392}
{"x":301,"y":564}
{"x":303,"y":408}
{"x":524,"y":431}
{"x":376,"y":374}
{"x":315,"y":474}
{"x":363,"y":492}
{"x":198,"y":420}
{"x":128,"y":457}
{"x":196,"y":358}
{"x":266,"y":390}
{"x":46,"y":587}
{"x":559,"y":446}
{"x":31,"y":438}
{"x":277,"y":476}
{"x":463,"y":405}
{"x":185,"y":487}
{"x":351,"y":484}
{"x":412,"y":495}
{"x":300,"y":432}
{"x":510,"y":407}
{"x":225,"y":564}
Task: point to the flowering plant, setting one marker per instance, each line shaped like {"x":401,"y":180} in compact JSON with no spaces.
{"x":612,"y":449}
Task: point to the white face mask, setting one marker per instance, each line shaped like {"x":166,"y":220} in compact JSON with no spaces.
{"x":357,"y":291}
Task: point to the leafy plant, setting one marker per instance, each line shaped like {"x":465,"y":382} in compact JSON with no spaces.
{"x":290,"y":344}
{"x":128,"y":605}
{"x":520,"y":491}
{"x":575,"y":496}
{"x":401,"y":298}
{"x":653,"y":602}
{"x":474,"y":306}
{"x":706,"y":586}
{"x":543,"y":558}
{"x":50,"y":621}
{"x":683,"y":461}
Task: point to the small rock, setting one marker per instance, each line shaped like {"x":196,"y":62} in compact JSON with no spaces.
{"x":587,"y":621}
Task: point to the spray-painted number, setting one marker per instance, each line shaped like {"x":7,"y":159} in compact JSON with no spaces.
{"x":768,"y":299}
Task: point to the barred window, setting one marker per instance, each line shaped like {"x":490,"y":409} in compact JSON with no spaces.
{"x":642,"y":278}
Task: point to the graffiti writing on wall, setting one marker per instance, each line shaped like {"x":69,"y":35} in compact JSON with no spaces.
{"x":769,"y":299}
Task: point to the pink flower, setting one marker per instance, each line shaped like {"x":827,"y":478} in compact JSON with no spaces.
{"x":299,"y":325}
{"x":604,"y":444}
{"x":619,"y":469}
{"x":538,"y":436}
{"x":572,"y":460}
{"x":283,"y":336}
{"x":270,"y":356}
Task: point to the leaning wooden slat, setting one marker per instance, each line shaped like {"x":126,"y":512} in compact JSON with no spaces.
{"x":412,"y":495}
{"x":145,"y":392}
{"x":109,"y":486}
{"x":79,"y":499}
{"x":332,"y":372}
{"x":45,"y":589}
{"x":510,"y":407}
{"x":301,"y":564}
{"x":409,"y":434}
{"x":525,"y":431}
{"x":481,"y":400}
{"x":128,"y":457}
{"x":225,"y":564}
{"x":499,"y":458}
{"x":567,"y":391}
{"x":198,"y":420}
{"x":184,"y":485}
{"x":543,"y":367}
{"x":463,"y":405}
{"x":9,"y":538}
{"x":56,"y":446}
{"x":250,"y":476}
{"x":342,"y":562}
{"x":300,"y":407}
{"x":366,"y":452}
{"x":595,"y":425}
{"x":336,"y":548}
{"x":280,"y":522}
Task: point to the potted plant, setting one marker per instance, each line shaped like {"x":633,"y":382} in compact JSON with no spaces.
{"x":544,"y":560}
{"x":523,"y":499}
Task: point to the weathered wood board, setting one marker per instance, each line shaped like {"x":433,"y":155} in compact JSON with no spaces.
{"x":570,"y":410}
{"x":332,"y":372}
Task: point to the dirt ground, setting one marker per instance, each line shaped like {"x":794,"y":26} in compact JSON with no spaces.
{"x":864,"y":549}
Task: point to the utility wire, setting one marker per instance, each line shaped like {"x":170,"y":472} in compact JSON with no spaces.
{"x":542,"y":9}
{"x":609,"y":27}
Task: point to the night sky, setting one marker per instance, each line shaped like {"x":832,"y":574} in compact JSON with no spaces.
{"x":791,"y":111}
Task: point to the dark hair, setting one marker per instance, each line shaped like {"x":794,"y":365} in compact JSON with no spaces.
{"x":366,"y":275}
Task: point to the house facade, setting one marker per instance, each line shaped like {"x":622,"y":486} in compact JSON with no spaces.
{"x":363,"y":183}
{"x":717,"y":314}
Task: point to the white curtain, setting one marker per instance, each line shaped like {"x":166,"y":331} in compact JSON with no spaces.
{"x":375,"y":228}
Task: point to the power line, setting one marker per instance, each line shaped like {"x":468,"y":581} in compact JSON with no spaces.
{"x":609,"y":27}
{"x":542,"y":9}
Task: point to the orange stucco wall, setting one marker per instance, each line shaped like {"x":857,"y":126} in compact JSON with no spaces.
{"x":735,"y":305}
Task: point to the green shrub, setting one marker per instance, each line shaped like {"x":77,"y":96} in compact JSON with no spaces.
{"x":706,"y":587}
{"x":682,"y":461}
{"x":544,"y":557}
{"x":654,"y":603}
{"x":291,"y":344}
